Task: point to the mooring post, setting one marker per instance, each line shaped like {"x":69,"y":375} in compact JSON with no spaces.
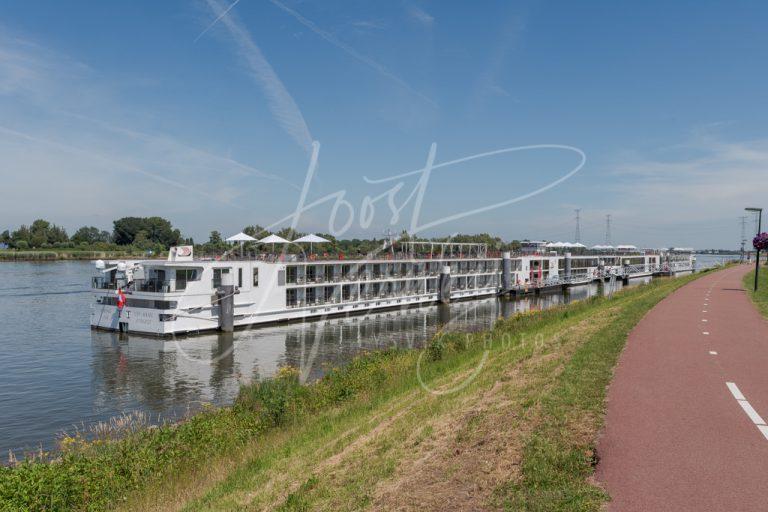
{"x":444,"y":284}
{"x":226,"y":294}
{"x":567,"y":267}
{"x":506,"y":272}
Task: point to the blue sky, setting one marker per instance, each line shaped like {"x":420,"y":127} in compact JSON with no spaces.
{"x":205,"y":112}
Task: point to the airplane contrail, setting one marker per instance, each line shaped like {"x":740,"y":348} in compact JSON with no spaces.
{"x":281,"y":103}
{"x":349,"y":50}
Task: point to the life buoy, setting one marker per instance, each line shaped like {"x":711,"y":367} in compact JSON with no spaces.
{"x":120,"y":299}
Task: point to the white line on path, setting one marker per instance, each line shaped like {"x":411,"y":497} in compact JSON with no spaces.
{"x":705,"y":333}
{"x":748,"y":409}
{"x":712,"y":353}
{"x":735,"y":391}
{"x":751,"y":412}
{"x":704,"y":320}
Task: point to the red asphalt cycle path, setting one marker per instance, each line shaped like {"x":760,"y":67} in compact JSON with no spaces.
{"x":675,"y":436}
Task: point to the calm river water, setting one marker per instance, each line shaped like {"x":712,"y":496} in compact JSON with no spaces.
{"x":55,"y":373}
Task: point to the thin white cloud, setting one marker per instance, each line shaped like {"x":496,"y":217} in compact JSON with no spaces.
{"x":111,"y":161}
{"x":281,"y":103}
{"x":215,"y":21}
{"x":67,"y":140}
{"x":331,"y":38}
{"x":37,"y":73}
{"x":420,"y":15}
{"x":368,"y":24}
{"x":488,"y":84}
{"x":168,"y":145}
{"x":48,"y":79}
{"x":697,"y":189}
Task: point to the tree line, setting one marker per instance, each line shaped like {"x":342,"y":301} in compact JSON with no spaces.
{"x":141,"y":233}
{"x":157,"y":234}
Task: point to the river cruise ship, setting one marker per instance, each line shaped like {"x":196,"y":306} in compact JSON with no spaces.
{"x":186,"y":295}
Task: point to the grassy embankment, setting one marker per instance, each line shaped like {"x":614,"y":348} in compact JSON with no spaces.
{"x":518,"y":436}
{"x":760,"y":298}
{"x":65,"y":254}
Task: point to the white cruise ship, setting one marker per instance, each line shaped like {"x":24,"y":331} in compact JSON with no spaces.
{"x":186,"y":295}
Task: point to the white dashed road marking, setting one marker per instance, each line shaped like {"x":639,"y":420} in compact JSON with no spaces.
{"x":748,"y":409}
{"x":735,"y":391}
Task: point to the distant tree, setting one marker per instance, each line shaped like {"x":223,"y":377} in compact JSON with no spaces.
{"x":330,"y":238}
{"x":256,"y":231}
{"x":289,"y":234}
{"x":142,"y":241}
{"x":156,"y":229}
{"x":125,"y":229}
{"x":5,"y":237}
{"x":90,"y":235}
{"x":160,"y":231}
{"x":40,"y":234}
{"x":214,"y":245}
{"x":215,"y":238}
{"x":20,"y":235}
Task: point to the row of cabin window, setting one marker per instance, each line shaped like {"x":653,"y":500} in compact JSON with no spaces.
{"x":184,"y":275}
{"x":217,"y":272}
{"x":328,"y":272}
{"x":348,"y":290}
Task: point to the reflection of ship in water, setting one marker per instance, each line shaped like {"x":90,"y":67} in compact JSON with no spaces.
{"x":169,"y":377}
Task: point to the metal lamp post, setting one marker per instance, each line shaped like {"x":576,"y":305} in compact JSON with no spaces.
{"x":759,"y":212}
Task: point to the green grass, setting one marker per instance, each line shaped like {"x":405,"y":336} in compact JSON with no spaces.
{"x":557,"y":460}
{"x":327,"y":446}
{"x":760,"y":298}
{"x":555,"y":464}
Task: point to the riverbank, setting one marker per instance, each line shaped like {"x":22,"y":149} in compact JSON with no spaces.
{"x":519,"y":434}
{"x":8,"y":255}
{"x":759,"y":298}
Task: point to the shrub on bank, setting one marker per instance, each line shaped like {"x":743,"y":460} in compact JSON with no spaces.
{"x":93,"y":474}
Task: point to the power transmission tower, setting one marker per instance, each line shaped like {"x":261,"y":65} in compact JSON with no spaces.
{"x":608,"y":229}
{"x":743,"y":236}
{"x":577,"y":238}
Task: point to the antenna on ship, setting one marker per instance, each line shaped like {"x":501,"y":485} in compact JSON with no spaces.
{"x":608,"y":229}
{"x":577,"y":237}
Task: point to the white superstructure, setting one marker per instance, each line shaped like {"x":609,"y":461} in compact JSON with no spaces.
{"x":184,"y":295}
